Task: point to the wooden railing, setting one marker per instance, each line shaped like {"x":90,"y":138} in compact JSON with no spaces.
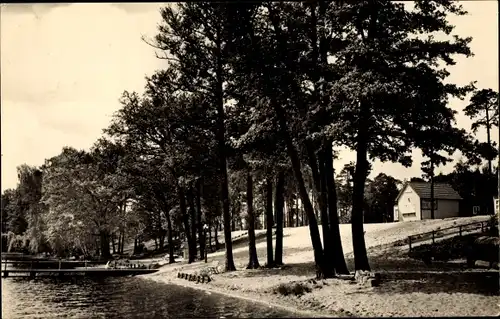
{"x":443,"y":232}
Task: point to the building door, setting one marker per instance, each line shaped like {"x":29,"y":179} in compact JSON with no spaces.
{"x":476,"y":210}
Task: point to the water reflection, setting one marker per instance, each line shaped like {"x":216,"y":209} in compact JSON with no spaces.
{"x":120,"y":298}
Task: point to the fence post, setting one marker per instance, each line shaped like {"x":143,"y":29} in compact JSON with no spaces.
{"x":409,"y":241}
{"x":460,"y":230}
{"x":433,"y":237}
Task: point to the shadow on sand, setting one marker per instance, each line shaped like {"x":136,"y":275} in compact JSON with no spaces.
{"x":401,"y":274}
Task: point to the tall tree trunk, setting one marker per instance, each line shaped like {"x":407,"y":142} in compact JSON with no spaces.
{"x":113,"y":244}
{"x":269,"y":221}
{"x":210,"y":236}
{"x":297,"y":213}
{"x":278,"y":207}
{"x":294,"y":158}
{"x":221,"y":139}
{"x":292,"y":151}
{"x":192,"y":215}
{"x":358,"y":236}
{"x":253,"y":260}
{"x":318,"y":176}
{"x":120,"y":243}
{"x":338,"y":252}
{"x":233,"y":217}
{"x":170,"y":239}
{"x":201,"y":235}
{"x":122,"y":246}
{"x":104,"y":241}
{"x":488,"y":140}
{"x":314,"y":200}
{"x":216,"y":235}
{"x":285,"y":213}
{"x":159,"y":235}
{"x":162,"y":240}
{"x":185,"y":220}
{"x":432,"y":188}
{"x":320,"y":169}
{"x":123,"y":242}
{"x":327,"y":239}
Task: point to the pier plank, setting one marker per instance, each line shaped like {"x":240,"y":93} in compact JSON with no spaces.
{"x":78,"y":272}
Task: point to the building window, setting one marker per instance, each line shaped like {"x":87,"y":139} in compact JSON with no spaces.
{"x":409,"y":214}
{"x":426,"y":204}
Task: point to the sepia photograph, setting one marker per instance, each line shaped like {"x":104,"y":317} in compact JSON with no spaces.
{"x":250,"y":159}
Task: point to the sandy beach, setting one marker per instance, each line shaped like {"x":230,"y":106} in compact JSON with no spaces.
{"x":408,"y":287}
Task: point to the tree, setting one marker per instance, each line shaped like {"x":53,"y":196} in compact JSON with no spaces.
{"x":112,"y":159}
{"x":13,"y":217}
{"x":6,"y":202}
{"x":253,"y":261}
{"x":261,"y":28}
{"x":30,"y":194}
{"x":441,"y":137}
{"x":269,"y":221}
{"x":157,"y":125}
{"x":192,"y":38}
{"x":344,"y":191}
{"x":79,"y":199}
{"x":155,"y":189}
{"x":483,"y":108}
{"x":321,"y":117}
{"x":278,"y":209}
{"x":383,"y":191}
{"x":381,"y":63}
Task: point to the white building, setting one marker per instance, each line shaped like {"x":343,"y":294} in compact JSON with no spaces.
{"x":413,"y":202}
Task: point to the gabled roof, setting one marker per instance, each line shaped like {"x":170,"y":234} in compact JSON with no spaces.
{"x":423,"y":190}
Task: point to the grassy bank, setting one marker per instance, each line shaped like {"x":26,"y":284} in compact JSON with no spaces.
{"x":408,"y":288}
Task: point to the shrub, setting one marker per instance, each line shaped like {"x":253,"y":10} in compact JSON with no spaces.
{"x":449,"y":249}
{"x":493,"y":225}
{"x":293,"y":288}
{"x":17,"y":243}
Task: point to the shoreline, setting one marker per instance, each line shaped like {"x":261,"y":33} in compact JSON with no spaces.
{"x":409,"y":288}
{"x":238,"y":295}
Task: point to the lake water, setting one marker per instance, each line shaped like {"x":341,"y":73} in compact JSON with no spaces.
{"x":120,"y":298}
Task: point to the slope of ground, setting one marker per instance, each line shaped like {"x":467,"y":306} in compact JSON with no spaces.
{"x":297,"y":240}
{"x":376,"y":234}
{"x":409,"y":288}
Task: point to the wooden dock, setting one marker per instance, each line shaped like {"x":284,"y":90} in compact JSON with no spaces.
{"x":74,"y":272}
{"x":49,"y":264}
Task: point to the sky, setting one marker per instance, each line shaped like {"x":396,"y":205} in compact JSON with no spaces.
{"x":64,"y":67}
